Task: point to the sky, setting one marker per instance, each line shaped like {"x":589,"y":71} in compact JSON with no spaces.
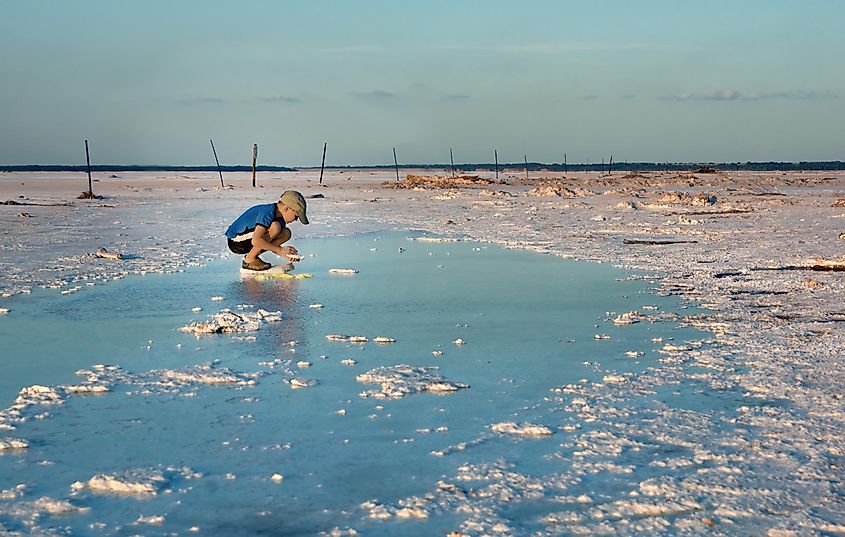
{"x":648,"y":80}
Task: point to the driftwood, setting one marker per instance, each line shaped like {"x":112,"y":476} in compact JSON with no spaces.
{"x":656,"y":242}
{"x":13,"y":202}
{"x":716,"y":213}
{"x":826,"y":267}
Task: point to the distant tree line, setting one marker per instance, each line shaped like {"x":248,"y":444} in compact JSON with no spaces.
{"x":136,"y":168}
{"x":701,"y":167}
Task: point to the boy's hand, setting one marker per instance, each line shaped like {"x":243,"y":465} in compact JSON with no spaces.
{"x":285,"y":251}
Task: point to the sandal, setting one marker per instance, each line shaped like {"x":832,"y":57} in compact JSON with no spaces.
{"x":258,"y":264}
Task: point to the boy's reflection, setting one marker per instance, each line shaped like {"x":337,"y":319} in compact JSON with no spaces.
{"x":275,"y":295}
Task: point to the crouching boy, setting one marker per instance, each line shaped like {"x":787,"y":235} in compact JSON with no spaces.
{"x":264,"y":228}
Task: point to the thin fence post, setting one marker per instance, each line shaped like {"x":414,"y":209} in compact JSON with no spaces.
{"x":88,"y":160}
{"x":564,"y":165}
{"x":610,"y":165}
{"x":254,"y":159}
{"x":323,"y":165}
{"x":525,"y":158}
{"x":396,"y":164}
{"x":452,"y":160}
{"x":218,"y":164}
{"x":496,"y":160}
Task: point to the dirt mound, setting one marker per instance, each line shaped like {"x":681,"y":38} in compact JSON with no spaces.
{"x":559,"y":191}
{"x":438,"y":181}
{"x":683,"y":198}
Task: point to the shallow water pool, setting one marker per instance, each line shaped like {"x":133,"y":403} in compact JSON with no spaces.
{"x":249,"y":455}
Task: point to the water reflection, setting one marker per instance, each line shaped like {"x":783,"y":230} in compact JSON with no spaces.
{"x":273,"y":295}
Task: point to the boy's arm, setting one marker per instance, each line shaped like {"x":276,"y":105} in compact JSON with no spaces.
{"x":258,"y":240}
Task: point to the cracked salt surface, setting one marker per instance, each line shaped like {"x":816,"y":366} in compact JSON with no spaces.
{"x":774,"y":355}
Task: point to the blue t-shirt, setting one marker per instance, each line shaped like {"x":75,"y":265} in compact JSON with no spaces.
{"x":259,"y":215}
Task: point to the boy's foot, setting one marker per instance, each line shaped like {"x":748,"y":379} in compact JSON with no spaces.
{"x":257,"y":264}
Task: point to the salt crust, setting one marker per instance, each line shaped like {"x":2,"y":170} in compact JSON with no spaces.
{"x":630,"y":317}
{"x":8,"y":444}
{"x":227,"y":321}
{"x":784,"y":355}
{"x":521,"y":429}
{"x":400,"y":380}
{"x":358,"y":339}
{"x":343,"y":271}
{"x":151,"y":520}
{"x":134,"y":483}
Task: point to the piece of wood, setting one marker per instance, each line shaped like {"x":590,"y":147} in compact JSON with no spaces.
{"x":396,"y":164}
{"x":814,"y":268}
{"x":218,"y":164}
{"x":452,"y":161}
{"x":496,"y":160}
{"x":88,"y":160}
{"x":525,"y":158}
{"x":323,"y":165}
{"x":254,"y":159}
{"x":656,"y":242}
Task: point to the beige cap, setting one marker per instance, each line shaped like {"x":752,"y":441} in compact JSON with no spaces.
{"x":294,"y":200}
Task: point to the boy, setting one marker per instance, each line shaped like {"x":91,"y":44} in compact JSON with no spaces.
{"x":263,"y":228}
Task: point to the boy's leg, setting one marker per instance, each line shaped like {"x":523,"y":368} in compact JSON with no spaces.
{"x":276,"y":235}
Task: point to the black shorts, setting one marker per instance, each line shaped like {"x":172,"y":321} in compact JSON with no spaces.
{"x":240,"y":247}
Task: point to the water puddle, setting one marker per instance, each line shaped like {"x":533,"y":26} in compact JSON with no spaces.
{"x":276,"y":428}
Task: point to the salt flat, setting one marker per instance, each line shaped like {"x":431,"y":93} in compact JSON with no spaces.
{"x":715,"y":240}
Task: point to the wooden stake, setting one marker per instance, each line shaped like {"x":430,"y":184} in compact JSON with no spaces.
{"x":452,"y":160}
{"x":88,"y":160}
{"x":254,"y":158}
{"x":396,"y":163}
{"x":525,"y":157}
{"x":564,"y":165}
{"x":610,"y":166}
{"x":323,"y":165}
{"x":496,"y":159}
{"x":218,"y":164}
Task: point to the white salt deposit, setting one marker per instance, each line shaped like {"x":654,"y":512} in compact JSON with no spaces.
{"x":630,"y":317}
{"x":303,"y":364}
{"x":459,"y":342}
{"x":613,"y":379}
{"x":216,"y":298}
{"x":348,"y":361}
{"x":38,"y":395}
{"x":382,"y":339}
{"x":277,"y":478}
{"x":521,"y":429}
{"x":152,"y":520}
{"x":297,"y":383}
{"x":343,"y":271}
{"x":315,"y":306}
{"x":8,"y":444}
{"x":196,"y":309}
{"x":437,"y":353}
{"x":400,"y":380}
{"x":132,"y":483}
{"x":337,"y":337}
{"x":4,"y":311}
{"x":228,"y":321}
{"x":358,"y":339}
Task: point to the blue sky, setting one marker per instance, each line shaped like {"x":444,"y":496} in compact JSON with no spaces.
{"x":151,"y":82}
